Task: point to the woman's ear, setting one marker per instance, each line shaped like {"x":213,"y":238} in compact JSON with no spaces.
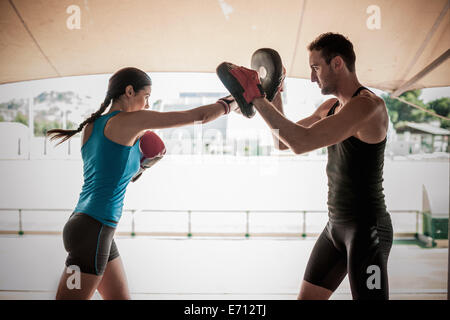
{"x":129,"y":91}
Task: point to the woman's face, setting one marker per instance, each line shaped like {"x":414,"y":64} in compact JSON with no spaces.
{"x":138,"y":100}
{"x":142,"y":97}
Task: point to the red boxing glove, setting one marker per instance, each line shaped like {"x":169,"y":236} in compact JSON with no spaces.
{"x":152,"y":149}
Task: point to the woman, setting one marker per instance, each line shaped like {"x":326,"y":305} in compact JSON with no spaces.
{"x":111,"y":156}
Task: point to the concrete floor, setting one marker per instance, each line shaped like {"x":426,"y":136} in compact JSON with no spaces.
{"x":209,"y":269}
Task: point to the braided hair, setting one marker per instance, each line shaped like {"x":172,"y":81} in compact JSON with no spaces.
{"x":137,"y":78}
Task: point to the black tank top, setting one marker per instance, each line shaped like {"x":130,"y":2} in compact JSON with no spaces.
{"x":355,"y":177}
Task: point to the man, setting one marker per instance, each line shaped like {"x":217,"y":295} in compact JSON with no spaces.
{"x":358,"y":236}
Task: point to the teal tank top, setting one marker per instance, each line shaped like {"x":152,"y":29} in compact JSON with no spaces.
{"x":107,"y":168}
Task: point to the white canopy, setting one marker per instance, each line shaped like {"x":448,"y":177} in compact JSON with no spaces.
{"x":399,"y":45}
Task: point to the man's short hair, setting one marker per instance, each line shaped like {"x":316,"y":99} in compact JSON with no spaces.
{"x":334,"y":44}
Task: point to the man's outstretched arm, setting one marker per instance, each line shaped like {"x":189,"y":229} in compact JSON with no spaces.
{"x":318,"y":114}
{"x":325,"y":132}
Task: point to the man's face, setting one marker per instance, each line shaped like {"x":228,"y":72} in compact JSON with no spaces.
{"x":322,"y":73}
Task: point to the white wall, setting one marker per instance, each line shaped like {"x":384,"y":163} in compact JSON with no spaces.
{"x":215,"y":182}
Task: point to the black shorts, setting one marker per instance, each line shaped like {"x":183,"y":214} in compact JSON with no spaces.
{"x":359,"y":249}
{"x":89,"y":243}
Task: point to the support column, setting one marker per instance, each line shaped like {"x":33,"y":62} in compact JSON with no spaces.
{"x":30,"y":124}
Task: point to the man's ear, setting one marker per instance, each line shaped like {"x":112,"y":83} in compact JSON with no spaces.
{"x":337,"y":63}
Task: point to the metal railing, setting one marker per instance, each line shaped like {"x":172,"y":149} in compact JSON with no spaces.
{"x":191,"y":233}
{"x":40,"y":147}
{"x":43,"y":148}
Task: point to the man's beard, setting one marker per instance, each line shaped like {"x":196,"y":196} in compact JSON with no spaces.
{"x":327,"y":90}
{"x":330,"y":86}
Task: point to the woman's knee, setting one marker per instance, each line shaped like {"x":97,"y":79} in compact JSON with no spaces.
{"x":76,"y":285}
{"x":309,"y":291}
{"x":114,"y":285}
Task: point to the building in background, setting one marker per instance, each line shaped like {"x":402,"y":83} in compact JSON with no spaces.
{"x":422,"y":138}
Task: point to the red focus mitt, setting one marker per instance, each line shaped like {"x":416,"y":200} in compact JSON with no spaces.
{"x":267,"y":62}
{"x":243,"y":84}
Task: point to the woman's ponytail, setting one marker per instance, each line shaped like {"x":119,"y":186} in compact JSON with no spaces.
{"x":64,"y":135}
{"x":116,"y":87}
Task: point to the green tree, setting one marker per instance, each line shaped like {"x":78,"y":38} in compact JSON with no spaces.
{"x":20,"y":117}
{"x":442,"y":107}
{"x":71,"y":125}
{"x":13,"y":104}
{"x":1,"y":118}
{"x":401,"y":112}
{"x":41,"y":126}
